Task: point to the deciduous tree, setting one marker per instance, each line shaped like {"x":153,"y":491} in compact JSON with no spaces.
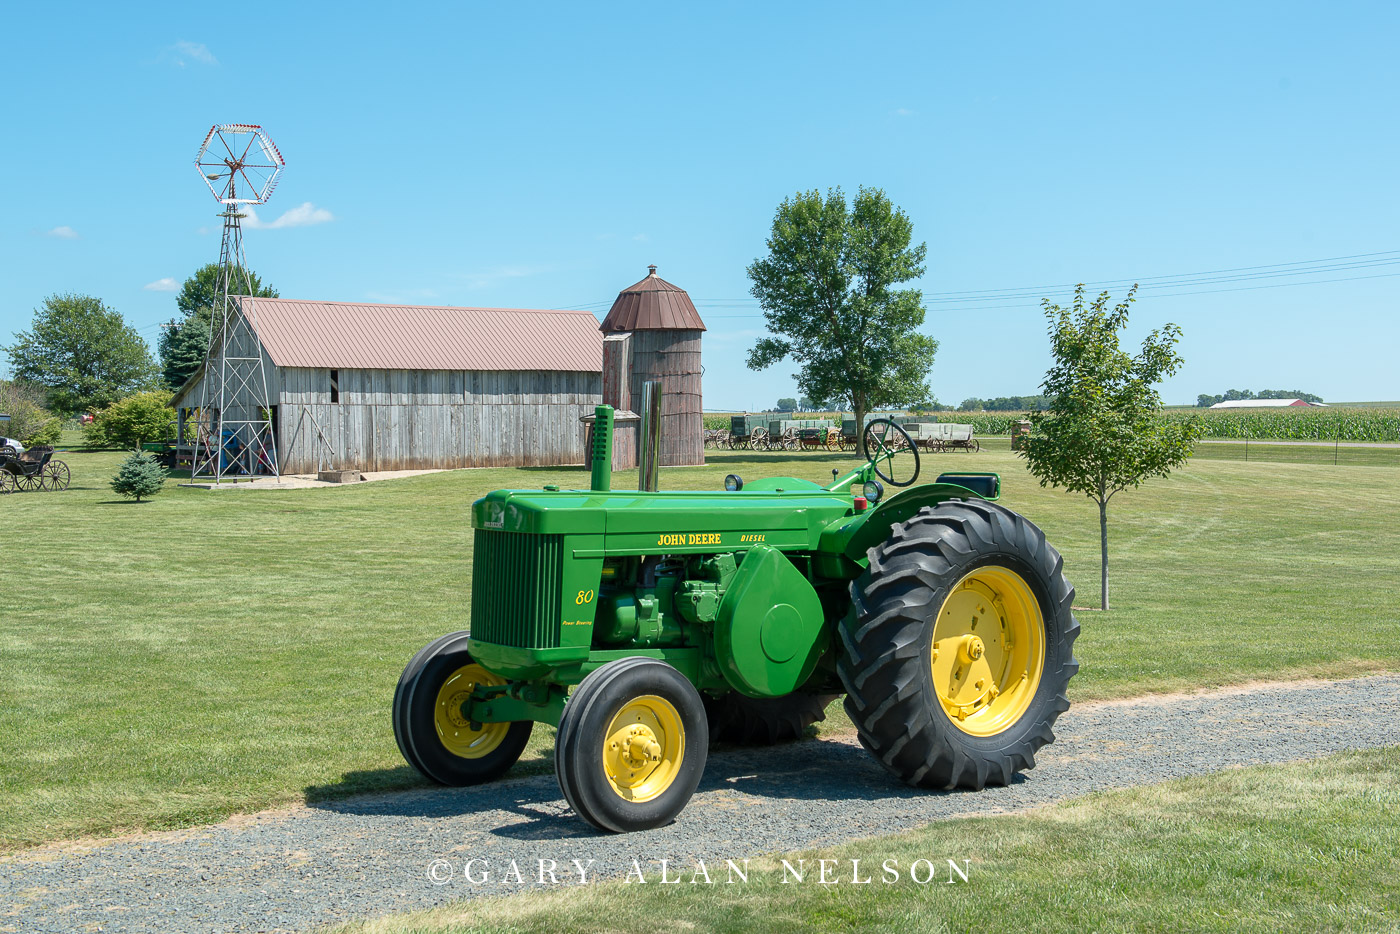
{"x":30,"y":423}
{"x":828,"y":292}
{"x":82,"y":353}
{"x":1102,"y":432}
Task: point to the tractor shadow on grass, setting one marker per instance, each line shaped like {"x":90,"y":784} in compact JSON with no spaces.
{"x":809,"y":770}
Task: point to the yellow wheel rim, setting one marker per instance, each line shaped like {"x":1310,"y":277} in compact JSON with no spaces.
{"x":454,"y":730}
{"x":988,"y":651}
{"x":643,"y":748}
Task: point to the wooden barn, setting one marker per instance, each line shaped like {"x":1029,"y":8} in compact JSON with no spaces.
{"x":394,"y":387}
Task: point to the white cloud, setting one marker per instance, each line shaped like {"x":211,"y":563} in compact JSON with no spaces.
{"x":490,"y":277}
{"x":304,"y":215}
{"x":197,"y":52}
{"x":162,"y":285}
{"x":640,"y":238}
{"x":63,"y":233}
{"x":903,"y":112}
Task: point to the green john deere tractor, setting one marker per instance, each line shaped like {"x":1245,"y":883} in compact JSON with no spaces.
{"x":738,"y":615}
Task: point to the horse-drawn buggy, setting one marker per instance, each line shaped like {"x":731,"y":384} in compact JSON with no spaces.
{"x":32,"y":470}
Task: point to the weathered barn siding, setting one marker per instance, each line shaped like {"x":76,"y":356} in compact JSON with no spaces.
{"x":419,"y":419}
{"x":192,"y":394}
{"x":674,"y":358}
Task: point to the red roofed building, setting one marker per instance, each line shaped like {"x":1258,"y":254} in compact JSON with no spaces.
{"x":398,"y":387}
{"x":652,"y":332}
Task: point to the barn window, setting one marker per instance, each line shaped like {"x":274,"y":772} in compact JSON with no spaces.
{"x":335,"y":386}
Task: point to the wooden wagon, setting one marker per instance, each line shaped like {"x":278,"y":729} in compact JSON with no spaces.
{"x":745,"y":432}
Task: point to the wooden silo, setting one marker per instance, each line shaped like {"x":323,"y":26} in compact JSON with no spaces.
{"x":663,"y":330}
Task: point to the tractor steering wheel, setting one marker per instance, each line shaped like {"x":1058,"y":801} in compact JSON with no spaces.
{"x":880,"y":442}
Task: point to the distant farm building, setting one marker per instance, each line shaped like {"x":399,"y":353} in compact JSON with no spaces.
{"x":1265,"y":404}
{"x":394,"y":387}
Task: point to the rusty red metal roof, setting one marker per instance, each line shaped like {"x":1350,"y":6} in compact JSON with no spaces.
{"x":354,"y":335}
{"x":653,"y":304}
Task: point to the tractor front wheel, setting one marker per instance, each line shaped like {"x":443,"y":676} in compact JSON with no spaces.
{"x":632,"y":745}
{"x":958,"y":646}
{"x":765,"y":721}
{"x":429,"y":727}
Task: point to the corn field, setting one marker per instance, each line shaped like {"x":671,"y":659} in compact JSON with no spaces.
{"x":1300,"y":424}
{"x":1295,"y":424}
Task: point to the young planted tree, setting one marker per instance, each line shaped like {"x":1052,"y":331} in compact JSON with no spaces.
{"x":1101,"y":431}
{"x":83,"y":354}
{"x":139,"y":476}
{"x":828,"y":292}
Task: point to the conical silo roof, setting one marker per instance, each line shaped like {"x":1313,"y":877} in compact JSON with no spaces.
{"x":653,"y":305}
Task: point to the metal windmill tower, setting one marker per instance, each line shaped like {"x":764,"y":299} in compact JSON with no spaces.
{"x":235,"y":435}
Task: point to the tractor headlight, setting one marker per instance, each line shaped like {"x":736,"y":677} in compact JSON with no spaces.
{"x":873,"y":490}
{"x":733,"y":483}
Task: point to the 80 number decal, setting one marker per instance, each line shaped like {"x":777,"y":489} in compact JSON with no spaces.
{"x":584,"y":597}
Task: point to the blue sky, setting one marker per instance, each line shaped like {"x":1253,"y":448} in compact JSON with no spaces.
{"x":542,"y":156}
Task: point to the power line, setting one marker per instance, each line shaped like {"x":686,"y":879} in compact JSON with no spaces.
{"x":980,"y":299}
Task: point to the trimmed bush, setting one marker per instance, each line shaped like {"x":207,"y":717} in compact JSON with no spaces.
{"x":144,"y":416}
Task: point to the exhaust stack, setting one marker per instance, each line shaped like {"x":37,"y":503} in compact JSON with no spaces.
{"x":602,"y":448}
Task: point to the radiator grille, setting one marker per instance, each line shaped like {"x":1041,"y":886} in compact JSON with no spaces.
{"x":516,"y":578}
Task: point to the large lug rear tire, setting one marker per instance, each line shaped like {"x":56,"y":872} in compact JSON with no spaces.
{"x":428,"y":725}
{"x":749,"y":721}
{"x":959,"y":646}
{"x":632,"y":745}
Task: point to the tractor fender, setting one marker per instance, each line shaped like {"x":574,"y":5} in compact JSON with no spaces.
{"x":866,"y":530}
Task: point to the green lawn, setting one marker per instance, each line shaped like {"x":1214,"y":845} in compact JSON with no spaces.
{"x":1310,"y":846}
{"x":169,"y":663}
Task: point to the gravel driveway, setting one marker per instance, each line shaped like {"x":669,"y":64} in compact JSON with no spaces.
{"x":291,"y":870}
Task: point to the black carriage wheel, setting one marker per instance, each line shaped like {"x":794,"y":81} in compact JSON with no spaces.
{"x":883,"y":446}
{"x":632,"y":745}
{"x":8,"y":482}
{"x":55,"y":476}
{"x":30,"y":482}
{"x":427,"y":718}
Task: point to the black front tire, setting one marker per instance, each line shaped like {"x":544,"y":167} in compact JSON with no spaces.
{"x":416,"y":723}
{"x":887,"y":640}
{"x":749,"y":721}
{"x":581,"y":758}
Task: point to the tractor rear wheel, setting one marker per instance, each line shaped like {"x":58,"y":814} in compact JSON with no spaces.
{"x":749,"y":721}
{"x":632,"y":745}
{"x":428,"y":724}
{"x":958,"y":646}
